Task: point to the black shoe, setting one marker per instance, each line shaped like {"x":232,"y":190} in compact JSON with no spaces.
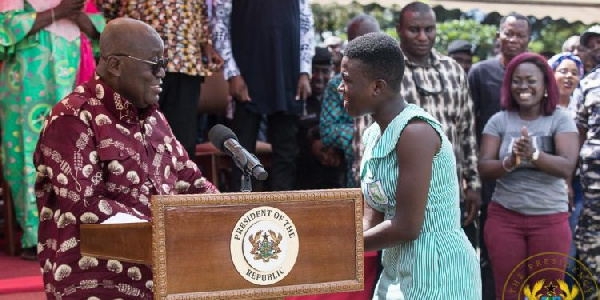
{"x":29,"y":254}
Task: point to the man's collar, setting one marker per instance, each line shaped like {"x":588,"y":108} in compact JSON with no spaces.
{"x":434,"y":60}
{"x":595,"y":69}
{"x":120,"y":107}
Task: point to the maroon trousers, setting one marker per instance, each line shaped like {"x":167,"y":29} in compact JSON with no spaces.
{"x":517,"y":245}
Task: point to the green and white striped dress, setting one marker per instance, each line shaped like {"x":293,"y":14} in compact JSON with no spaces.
{"x":440,"y":263}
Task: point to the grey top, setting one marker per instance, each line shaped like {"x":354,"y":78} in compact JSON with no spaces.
{"x":528,"y":190}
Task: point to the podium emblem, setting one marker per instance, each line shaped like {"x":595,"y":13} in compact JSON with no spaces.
{"x":545,"y":265}
{"x":264,"y":245}
{"x":267,"y":247}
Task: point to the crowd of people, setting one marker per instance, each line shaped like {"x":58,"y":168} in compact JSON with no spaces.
{"x":98,"y":112}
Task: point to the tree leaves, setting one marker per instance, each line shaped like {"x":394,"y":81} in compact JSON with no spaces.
{"x":473,"y":26}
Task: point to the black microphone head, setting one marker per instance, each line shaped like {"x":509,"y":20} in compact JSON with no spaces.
{"x":219,"y":134}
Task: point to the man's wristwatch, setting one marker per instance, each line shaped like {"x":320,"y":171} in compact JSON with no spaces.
{"x":535,"y":155}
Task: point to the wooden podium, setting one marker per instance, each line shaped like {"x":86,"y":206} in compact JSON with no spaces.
{"x":242,"y":245}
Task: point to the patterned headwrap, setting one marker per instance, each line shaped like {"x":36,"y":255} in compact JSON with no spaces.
{"x":557,"y":59}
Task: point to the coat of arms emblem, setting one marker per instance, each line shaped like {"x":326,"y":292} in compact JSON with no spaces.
{"x":264,"y":245}
{"x":565,"y":294}
{"x":266,"y":248}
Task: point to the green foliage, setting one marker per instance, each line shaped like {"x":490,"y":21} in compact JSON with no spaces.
{"x":482,"y":36}
{"x":552,"y":34}
{"x":391,"y":32}
{"x":331,"y":18}
{"x":547,"y":34}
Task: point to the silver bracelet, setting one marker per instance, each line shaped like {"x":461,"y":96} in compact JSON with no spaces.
{"x":504,"y":166}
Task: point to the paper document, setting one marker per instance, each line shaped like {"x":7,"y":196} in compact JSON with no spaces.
{"x":121,"y":218}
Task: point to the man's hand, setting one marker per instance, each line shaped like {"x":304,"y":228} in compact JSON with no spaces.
{"x":472,"y":203}
{"x":303,"y":89}
{"x":328,"y":157}
{"x":571,"y":195}
{"x":215,"y":61}
{"x":238,"y":89}
{"x":331,"y":158}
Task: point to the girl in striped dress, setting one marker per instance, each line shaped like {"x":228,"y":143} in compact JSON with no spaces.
{"x":409,"y":182}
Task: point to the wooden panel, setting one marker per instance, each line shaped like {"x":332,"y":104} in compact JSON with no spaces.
{"x":192,"y":244}
{"x":207,"y":267}
{"x":126,"y":242}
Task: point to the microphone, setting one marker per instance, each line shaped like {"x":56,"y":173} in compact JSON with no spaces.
{"x":226,"y":141}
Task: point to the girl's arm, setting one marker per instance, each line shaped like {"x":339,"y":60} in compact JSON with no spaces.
{"x":415,"y":150}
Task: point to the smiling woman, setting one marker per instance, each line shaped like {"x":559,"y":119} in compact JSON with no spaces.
{"x":530,"y":148}
{"x":568,"y":70}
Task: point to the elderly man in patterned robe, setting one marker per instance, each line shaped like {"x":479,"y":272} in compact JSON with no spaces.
{"x":106,"y":149}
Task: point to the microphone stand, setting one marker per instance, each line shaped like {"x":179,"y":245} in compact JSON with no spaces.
{"x":246,"y":181}
{"x":243,"y":163}
{"x":226,"y":141}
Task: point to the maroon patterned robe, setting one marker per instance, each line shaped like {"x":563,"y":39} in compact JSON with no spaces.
{"x":96,"y":157}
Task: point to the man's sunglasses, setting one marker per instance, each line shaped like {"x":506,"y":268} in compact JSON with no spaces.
{"x":160,"y":63}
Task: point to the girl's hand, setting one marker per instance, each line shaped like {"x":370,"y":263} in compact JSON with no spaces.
{"x":523,"y":147}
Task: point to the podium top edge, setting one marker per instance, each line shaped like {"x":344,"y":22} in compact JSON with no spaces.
{"x":259,"y":197}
